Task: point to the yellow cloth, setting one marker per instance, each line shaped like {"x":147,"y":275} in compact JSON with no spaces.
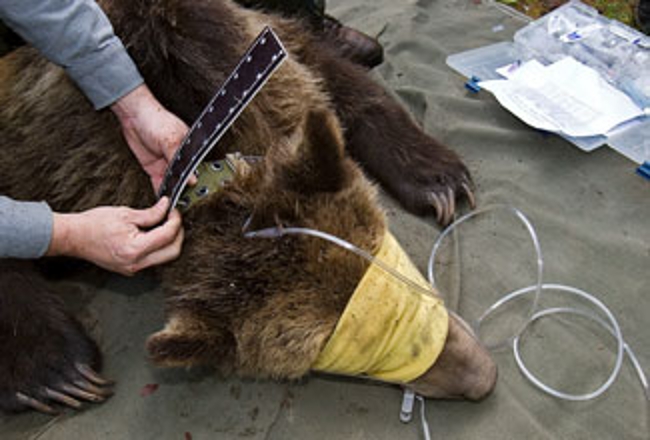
{"x":389,"y":330}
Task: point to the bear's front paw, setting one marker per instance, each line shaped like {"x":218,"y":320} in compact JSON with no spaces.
{"x":46,"y":358}
{"x":431,"y":178}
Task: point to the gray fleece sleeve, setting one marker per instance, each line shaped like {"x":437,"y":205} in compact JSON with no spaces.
{"x":25,"y":228}
{"x":76,"y":35}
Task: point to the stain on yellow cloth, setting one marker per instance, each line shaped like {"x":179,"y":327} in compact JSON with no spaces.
{"x":389,"y":330}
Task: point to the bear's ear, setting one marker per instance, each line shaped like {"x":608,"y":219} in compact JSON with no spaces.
{"x":320,"y":164}
{"x":183,"y":345}
{"x":316,"y":165}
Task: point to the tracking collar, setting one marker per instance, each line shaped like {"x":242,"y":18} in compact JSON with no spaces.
{"x":213,"y":176}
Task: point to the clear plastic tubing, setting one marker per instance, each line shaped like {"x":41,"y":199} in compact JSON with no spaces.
{"x":611,"y":324}
{"x":278,"y":232}
{"x":537,"y":288}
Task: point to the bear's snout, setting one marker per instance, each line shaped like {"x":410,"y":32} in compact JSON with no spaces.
{"x":464,"y":369}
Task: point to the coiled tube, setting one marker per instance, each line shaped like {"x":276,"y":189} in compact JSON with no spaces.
{"x":611,"y":324}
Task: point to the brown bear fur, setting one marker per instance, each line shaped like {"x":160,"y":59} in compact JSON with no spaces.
{"x":276,"y":301}
{"x":256,"y":307}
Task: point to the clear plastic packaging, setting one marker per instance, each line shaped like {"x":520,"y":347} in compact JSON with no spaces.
{"x":618,"y":52}
{"x":483,"y":62}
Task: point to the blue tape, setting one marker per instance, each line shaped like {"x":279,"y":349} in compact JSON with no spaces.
{"x":644,"y":170}
{"x":472,"y":84}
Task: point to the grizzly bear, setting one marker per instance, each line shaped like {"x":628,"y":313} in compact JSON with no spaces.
{"x":255,"y":307}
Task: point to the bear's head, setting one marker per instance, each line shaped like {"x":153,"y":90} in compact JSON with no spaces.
{"x":272,"y":306}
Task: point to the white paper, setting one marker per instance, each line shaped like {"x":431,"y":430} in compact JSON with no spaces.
{"x":566,"y":97}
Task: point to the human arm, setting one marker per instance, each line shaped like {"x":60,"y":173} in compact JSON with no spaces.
{"x":153,"y":133}
{"x":78,"y":36}
{"x":111,"y":237}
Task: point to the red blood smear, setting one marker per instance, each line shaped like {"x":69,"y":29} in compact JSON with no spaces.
{"x":149,"y":389}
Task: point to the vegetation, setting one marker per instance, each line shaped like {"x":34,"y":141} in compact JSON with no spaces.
{"x":622,"y":10}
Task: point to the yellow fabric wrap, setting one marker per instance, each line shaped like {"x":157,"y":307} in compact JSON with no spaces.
{"x":389,"y":330}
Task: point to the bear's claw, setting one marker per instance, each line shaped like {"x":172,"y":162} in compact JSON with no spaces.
{"x":67,"y":394}
{"x":32,"y":403}
{"x":470,"y":194}
{"x":62,"y":398}
{"x":80,"y":389}
{"x":92,"y":376}
{"x":82,"y":394}
{"x":445,"y":203}
{"x":438,"y":204}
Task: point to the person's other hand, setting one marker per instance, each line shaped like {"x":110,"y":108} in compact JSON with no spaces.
{"x":114,"y":238}
{"x":153,"y":133}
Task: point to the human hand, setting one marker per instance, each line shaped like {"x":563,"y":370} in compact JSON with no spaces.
{"x":113,"y":238}
{"x":153,"y":133}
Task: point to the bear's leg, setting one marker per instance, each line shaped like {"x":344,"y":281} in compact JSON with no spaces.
{"x":311,"y":9}
{"x":46,"y":358}
{"x":420,"y":172}
{"x":347,"y":42}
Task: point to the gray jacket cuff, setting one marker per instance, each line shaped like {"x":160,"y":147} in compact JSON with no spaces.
{"x":25,"y":228}
{"x":106,"y":75}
